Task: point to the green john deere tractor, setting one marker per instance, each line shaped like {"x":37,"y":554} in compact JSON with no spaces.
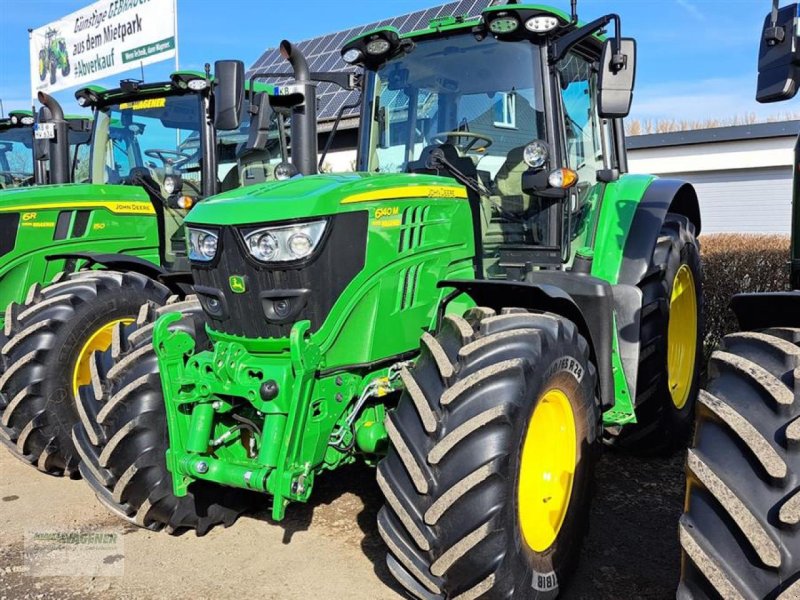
{"x":25,"y":155}
{"x":470,"y":312}
{"x":131,"y":232}
{"x":739,"y":531}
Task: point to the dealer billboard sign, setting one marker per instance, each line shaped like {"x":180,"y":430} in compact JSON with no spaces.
{"x":105,"y":38}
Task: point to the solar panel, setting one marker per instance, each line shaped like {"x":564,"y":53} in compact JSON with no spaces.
{"x":323,"y":52}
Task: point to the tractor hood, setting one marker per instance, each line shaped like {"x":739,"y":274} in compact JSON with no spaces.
{"x":317,"y":195}
{"x":120,"y":199}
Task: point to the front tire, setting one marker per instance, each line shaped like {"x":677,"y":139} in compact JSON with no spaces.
{"x":123,"y":438}
{"x":490,"y":401}
{"x":739,"y":531}
{"x":46,"y":355}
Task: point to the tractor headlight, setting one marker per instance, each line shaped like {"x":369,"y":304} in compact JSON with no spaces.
{"x":197,"y":85}
{"x":352,"y":56}
{"x":536,"y":154}
{"x":541,"y":24}
{"x":378,"y":46}
{"x":504,"y":24}
{"x":285,"y":243}
{"x":285,"y":171}
{"x":202,"y":244}
{"x":173,"y":184}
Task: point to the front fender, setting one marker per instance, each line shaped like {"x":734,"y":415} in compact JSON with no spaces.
{"x":586,"y":301}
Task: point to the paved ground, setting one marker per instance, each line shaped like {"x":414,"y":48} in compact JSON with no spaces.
{"x":329,"y":549}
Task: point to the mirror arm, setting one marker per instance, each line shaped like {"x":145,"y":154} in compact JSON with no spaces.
{"x":563,"y":44}
{"x":334,"y":130}
{"x":774,"y":35}
{"x":344,"y":79}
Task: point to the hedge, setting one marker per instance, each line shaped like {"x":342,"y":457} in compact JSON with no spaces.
{"x":734,"y":263}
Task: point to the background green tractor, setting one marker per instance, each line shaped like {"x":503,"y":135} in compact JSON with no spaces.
{"x":739,"y":531}
{"x":155,"y":153}
{"x":157,"y":144}
{"x":25,"y":160}
{"x":469,"y":312}
{"x":54,"y":57}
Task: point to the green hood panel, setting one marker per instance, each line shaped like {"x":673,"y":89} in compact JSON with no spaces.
{"x":120,"y":199}
{"x":317,"y":195}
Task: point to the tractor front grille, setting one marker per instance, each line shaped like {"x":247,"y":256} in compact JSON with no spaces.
{"x":9,"y":225}
{"x":276,"y":297}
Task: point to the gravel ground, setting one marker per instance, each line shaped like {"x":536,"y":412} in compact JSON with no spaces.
{"x":327,"y":549}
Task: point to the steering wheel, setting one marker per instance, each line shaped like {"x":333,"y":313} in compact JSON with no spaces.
{"x":474,"y":138}
{"x":180,"y":157}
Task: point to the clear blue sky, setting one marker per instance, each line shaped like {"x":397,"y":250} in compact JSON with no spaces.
{"x":697,"y":58}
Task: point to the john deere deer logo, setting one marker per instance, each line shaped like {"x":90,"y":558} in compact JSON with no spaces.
{"x":237,"y":284}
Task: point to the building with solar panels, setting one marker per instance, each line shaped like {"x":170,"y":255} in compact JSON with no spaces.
{"x":731,"y":167}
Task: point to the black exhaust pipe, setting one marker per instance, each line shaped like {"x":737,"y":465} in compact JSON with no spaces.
{"x":304,"y":118}
{"x":59,"y":146}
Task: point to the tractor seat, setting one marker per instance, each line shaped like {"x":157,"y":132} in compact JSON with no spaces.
{"x":507,"y":200}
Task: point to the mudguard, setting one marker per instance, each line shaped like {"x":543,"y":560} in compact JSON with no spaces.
{"x":662,"y":196}
{"x":176,"y":282}
{"x":586,"y":301}
{"x":767,"y":309}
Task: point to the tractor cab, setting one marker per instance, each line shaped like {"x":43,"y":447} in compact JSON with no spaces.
{"x":16,"y":150}
{"x":22,"y":163}
{"x":506,"y":111}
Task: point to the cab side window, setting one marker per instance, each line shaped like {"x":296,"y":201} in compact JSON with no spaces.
{"x":582,"y":125}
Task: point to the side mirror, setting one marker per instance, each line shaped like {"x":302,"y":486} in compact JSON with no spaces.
{"x":778,"y":58}
{"x":617,"y":78}
{"x":260,"y":120}
{"x":228,"y":93}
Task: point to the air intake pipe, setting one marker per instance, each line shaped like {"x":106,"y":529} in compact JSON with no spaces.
{"x":59,"y":145}
{"x":304,"y":117}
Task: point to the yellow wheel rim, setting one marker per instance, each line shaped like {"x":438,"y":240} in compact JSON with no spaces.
{"x":99,"y":341}
{"x":682,"y":336}
{"x":547,"y":470}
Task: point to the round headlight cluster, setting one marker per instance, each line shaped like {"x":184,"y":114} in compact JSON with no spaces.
{"x":300,"y":245}
{"x":378,"y":46}
{"x":208,"y":245}
{"x":198,"y":85}
{"x":536,"y":154}
{"x":352,"y":56}
{"x":284,"y":243}
{"x":504,"y":25}
{"x":263,"y":246}
{"x":285,"y":171}
{"x":541,"y":24}
{"x":202,"y":244}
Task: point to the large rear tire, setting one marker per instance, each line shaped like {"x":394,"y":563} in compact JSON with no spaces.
{"x":739,"y":531}
{"x":670,"y":341}
{"x":46,"y":356}
{"x":496,"y":407}
{"x":122,"y":437}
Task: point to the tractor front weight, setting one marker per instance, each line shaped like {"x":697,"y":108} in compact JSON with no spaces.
{"x":265,"y":422}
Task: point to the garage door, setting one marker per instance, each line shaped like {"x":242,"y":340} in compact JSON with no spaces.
{"x":743,"y":201}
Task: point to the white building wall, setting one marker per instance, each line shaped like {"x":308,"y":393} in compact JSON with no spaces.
{"x":743,"y":186}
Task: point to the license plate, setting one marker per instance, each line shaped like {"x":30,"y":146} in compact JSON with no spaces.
{"x":45,"y":131}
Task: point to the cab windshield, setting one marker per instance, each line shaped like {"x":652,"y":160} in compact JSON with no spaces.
{"x":16,"y":157}
{"x":144,"y":138}
{"x":482,"y":98}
